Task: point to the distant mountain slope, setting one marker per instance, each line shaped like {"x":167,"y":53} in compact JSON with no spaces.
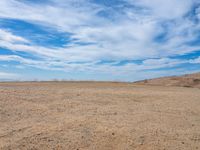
{"x":189,"y":80}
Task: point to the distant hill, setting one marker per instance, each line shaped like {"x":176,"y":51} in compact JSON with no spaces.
{"x":188,"y":80}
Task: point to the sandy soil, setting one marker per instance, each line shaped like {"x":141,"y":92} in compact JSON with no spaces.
{"x":98,"y":116}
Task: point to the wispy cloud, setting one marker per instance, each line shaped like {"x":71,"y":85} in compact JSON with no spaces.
{"x":8,"y":76}
{"x":10,"y":38}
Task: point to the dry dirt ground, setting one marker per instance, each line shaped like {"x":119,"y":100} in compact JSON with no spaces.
{"x":98,"y":116}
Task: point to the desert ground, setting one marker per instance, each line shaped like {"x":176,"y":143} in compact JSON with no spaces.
{"x":98,"y":116}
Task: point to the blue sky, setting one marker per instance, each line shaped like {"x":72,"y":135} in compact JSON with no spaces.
{"x":123,"y":40}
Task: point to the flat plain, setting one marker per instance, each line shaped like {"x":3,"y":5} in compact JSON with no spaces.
{"x":98,"y":116}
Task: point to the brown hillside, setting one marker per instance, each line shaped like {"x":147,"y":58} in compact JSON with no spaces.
{"x":189,"y":80}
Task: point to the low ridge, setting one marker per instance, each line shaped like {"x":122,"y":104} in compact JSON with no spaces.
{"x":188,"y":80}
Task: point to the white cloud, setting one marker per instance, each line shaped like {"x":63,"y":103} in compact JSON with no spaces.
{"x":124,"y":38}
{"x":9,"y":37}
{"x":8,"y":76}
{"x":166,"y":9}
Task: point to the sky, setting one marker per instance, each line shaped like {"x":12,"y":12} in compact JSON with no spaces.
{"x":104,"y":40}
